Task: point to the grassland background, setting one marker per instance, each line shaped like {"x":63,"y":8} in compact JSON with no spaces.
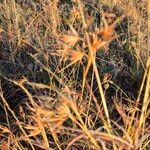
{"x":74,"y":74}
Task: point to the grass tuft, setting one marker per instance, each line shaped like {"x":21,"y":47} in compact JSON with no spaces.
{"x":74,"y":74}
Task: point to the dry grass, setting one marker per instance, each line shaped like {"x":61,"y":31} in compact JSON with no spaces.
{"x":74,"y":74}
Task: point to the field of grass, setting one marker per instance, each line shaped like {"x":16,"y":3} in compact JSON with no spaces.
{"x":74,"y":74}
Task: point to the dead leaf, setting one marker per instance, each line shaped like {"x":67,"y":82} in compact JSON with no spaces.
{"x":71,"y":40}
{"x":76,"y":56}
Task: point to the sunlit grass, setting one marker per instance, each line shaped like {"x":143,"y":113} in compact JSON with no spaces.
{"x":85,"y":75}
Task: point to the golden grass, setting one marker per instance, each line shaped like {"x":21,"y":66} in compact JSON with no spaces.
{"x":76,"y":102}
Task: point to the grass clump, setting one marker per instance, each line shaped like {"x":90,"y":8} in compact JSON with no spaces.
{"x":74,"y":74}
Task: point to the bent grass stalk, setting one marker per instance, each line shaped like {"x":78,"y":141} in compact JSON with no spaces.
{"x":91,"y":60}
{"x":18,"y":122}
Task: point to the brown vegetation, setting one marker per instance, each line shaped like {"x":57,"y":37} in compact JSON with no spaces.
{"x":74,"y":74}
